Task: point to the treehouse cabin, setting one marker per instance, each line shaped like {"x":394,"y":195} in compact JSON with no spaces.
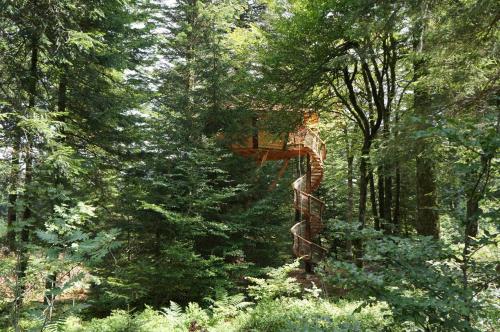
{"x":263,"y":144}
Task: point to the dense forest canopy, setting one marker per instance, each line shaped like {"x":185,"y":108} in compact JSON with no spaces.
{"x":148,"y":150}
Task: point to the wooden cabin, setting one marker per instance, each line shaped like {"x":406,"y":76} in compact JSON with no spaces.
{"x":270,"y":146}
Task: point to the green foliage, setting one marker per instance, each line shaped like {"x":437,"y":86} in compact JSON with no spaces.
{"x":226,"y":307}
{"x":283,"y":314}
{"x":287,"y":314}
{"x":116,"y":180}
{"x":277,"y":284}
{"x":158,"y":281}
{"x":181,"y":203}
{"x":420,"y":280}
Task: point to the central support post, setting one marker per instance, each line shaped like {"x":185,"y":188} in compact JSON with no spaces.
{"x":308,"y":263}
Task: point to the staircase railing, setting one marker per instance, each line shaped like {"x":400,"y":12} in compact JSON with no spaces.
{"x":305,"y":203}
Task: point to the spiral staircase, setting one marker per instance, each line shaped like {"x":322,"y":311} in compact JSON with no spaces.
{"x":305,"y":142}
{"x":309,"y":208}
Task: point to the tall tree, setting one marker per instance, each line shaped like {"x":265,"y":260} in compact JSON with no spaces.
{"x":427,"y":222}
{"x":42,"y":116}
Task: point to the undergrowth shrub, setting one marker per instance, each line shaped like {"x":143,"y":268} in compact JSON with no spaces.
{"x":288,"y":314}
{"x":280,"y":306}
{"x":282,"y":314}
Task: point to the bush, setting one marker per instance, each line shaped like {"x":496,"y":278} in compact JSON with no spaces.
{"x":282,"y":314}
{"x":288,"y":314}
{"x":280,"y":307}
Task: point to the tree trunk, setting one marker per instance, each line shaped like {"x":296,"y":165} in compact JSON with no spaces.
{"x":475,"y":195}
{"x":471,"y":230}
{"x":472,"y":217}
{"x":363,"y":183}
{"x":373,"y":199}
{"x":350,"y":187}
{"x":381,"y":196}
{"x":28,"y":179}
{"x":388,"y":202}
{"x":427,"y":222}
{"x":12,"y":198}
{"x":397,"y":203}
{"x":25,"y":232}
{"x":190,"y":77}
{"x":427,"y":215}
{"x":50,"y":282}
{"x":396,"y":221}
{"x":363,"y":186}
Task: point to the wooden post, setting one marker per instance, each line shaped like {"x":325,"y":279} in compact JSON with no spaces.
{"x":280,"y":174}
{"x":297,"y":220}
{"x":262,"y":158}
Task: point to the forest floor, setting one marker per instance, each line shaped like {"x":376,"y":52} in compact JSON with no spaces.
{"x":76,"y":275}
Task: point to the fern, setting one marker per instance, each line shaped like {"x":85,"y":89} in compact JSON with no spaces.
{"x":226,"y":306}
{"x":56,"y":325}
{"x":174,"y":311}
{"x":277,"y":284}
